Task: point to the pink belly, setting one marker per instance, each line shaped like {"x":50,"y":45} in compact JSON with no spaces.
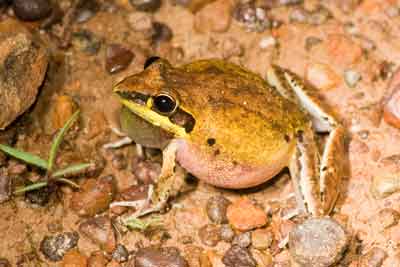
{"x":226,"y":174}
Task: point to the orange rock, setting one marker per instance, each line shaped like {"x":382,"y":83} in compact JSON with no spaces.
{"x":322,"y":76}
{"x":214,"y":17}
{"x":74,"y":258}
{"x":243,"y":215}
{"x":342,"y":50}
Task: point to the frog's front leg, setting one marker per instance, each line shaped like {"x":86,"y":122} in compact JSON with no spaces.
{"x":316,"y":177}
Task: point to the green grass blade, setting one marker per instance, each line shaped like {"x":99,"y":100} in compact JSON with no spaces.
{"x":69,"y":182}
{"x":76,"y":168}
{"x":57,"y":141}
{"x":30,"y":187}
{"x":24,"y":156}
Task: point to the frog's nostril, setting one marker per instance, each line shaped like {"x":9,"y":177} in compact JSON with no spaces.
{"x":150,"y":61}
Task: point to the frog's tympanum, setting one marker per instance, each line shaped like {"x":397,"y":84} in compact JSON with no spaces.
{"x":230,"y":128}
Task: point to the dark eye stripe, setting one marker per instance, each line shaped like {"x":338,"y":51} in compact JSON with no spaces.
{"x":135,"y":97}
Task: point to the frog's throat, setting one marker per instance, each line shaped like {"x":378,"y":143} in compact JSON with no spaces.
{"x":154,"y":118}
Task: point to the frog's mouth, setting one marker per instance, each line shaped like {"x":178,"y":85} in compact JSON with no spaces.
{"x":180,"y":123}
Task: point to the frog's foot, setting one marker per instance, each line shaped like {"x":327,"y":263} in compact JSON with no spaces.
{"x":168,"y":184}
{"x":316,"y":177}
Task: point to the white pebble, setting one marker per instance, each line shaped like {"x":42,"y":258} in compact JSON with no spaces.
{"x":267,"y":42}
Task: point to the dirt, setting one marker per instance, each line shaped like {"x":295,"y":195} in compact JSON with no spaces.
{"x":364,"y":40}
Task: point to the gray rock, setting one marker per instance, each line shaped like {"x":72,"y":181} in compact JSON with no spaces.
{"x":23,"y":64}
{"x":318,"y":242}
{"x":54,"y":247}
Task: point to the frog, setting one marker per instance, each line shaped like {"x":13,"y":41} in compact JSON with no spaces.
{"x":233,"y":129}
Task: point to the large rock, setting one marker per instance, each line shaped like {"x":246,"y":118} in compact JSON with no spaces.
{"x":23,"y":64}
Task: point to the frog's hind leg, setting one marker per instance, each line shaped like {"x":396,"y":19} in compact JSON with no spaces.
{"x":316,"y":177}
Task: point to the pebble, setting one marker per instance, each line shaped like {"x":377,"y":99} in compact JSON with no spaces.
{"x":120,"y":254}
{"x":100,"y":231}
{"x":391,"y":108}
{"x":243,"y":240}
{"x":74,"y":258}
{"x":156,"y":257}
{"x":373,"y":258}
{"x":267,"y":42}
{"x":262,"y":258}
{"x":97,"y":259}
{"x":318,"y":242}
{"x":24,"y":61}
{"x":227,"y":234}
{"x":351,"y":77}
{"x":141,"y":22}
{"x":4,"y":263}
{"x":86,"y":41}
{"x":385,"y":185}
{"x":5,"y":186}
{"x":251,"y":17}
{"x":146,"y":5}
{"x":54,"y":247}
{"x":214,"y":17}
{"x":118,"y":58}
{"x":322,"y":76}
{"x":87,"y":10}
{"x":64,"y":107}
{"x":94,"y":197}
{"x":387,"y":218}
{"x":210,"y":235}
{"x":161,"y":33}
{"x":31,"y":10}
{"x":243,"y":215}
{"x":238,"y":257}
{"x":216,"y":209}
{"x":261,"y":238}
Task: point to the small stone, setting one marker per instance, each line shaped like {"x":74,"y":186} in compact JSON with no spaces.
{"x":262,"y":258}
{"x":64,"y":107}
{"x":86,"y":42}
{"x":216,"y":209}
{"x":31,"y":9}
{"x":351,"y":77}
{"x":253,"y":18}
{"x":387,"y":218}
{"x":214,"y":17}
{"x":243,"y":240}
{"x":267,"y":42}
{"x":146,"y":5}
{"x":87,"y":10}
{"x":156,"y":257}
{"x":373,"y":258}
{"x":100,"y":231}
{"x":385,"y":185}
{"x":141,"y":22}
{"x":238,"y":257}
{"x":261,"y":238}
{"x":23,"y":61}
{"x":97,"y":259}
{"x":74,"y":258}
{"x":161,"y":33}
{"x":227,"y":234}
{"x":5,"y":186}
{"x":120,"y":254}
{"x":4,"y":263}
{"x":210,"y":235}
{"x":318,"y":242}
{"x":54,"y":247}
{"x":391,"y":108}
{"x":94,"y":197}
{"x":118,"y":58}
{"x":322,"y":76}
{"x":319,"y":16}
{"x":243,"y":215}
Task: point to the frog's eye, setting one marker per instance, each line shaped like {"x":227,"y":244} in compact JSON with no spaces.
{"x":150,"y":61}
{"x":165,"y":104}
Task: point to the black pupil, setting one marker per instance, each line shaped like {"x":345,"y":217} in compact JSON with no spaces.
{"x":164,"y":104}
{"x":150,"y":61}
